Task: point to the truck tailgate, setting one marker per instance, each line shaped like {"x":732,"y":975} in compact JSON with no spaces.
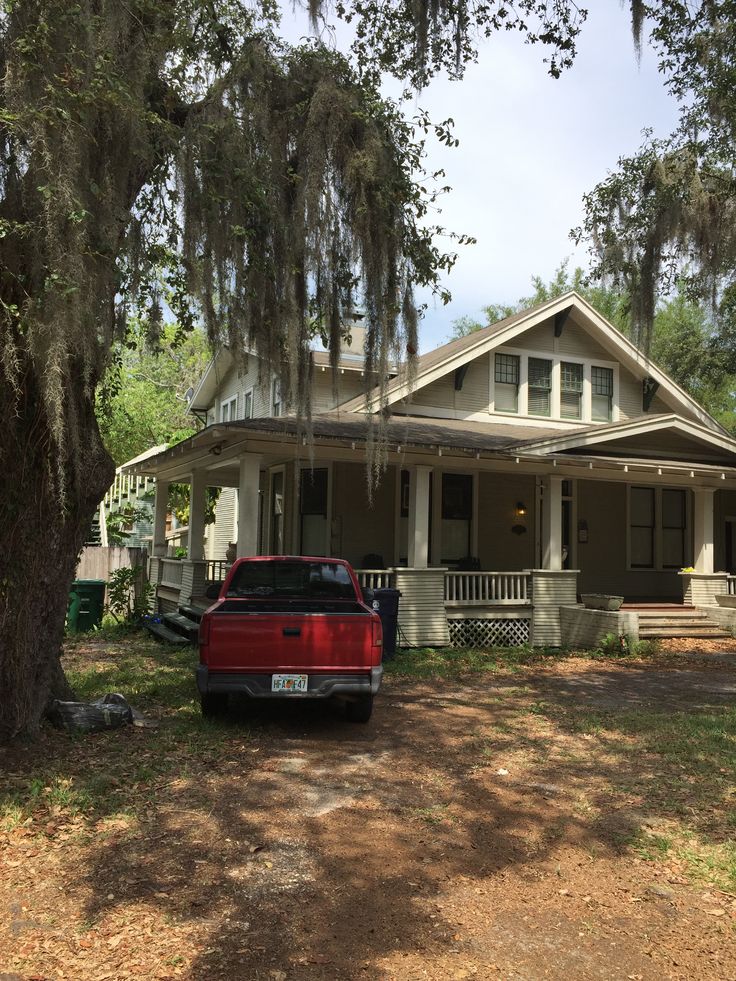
{"x":284,"y":642}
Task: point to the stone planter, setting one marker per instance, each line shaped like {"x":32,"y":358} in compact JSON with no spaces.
{"x":601,"y":601}
{"x":728,"y":601}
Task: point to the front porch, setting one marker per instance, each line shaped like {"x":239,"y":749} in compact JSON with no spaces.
{"x":444,"y":518}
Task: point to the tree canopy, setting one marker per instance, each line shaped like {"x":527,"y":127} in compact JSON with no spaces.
{"x":667,"y":214}
{"x":180,"y":149}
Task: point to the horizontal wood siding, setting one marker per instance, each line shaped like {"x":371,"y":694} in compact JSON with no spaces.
{"x":550,"y":591}
{"x":349,"y":385}
{"x":474,"y":396}
{"x":629,"y":395}
{"x":224,"y":529}
{"x":602,"y":559}
{"x":360,"y":527}
{"x":498,"y":546}
{"x":422,"y":619}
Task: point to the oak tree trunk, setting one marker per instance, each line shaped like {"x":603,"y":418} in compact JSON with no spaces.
{"x":40,"y":542}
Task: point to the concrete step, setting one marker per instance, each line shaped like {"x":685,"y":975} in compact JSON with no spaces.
{"x":680,"y":635}
{"x":681,"y":622}
{"x":161,"y":632}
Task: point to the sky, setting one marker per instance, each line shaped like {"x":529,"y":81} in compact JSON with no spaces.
{"x":530,"y":147}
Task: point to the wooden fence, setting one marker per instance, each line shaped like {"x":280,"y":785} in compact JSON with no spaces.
{"x":97,"y":561}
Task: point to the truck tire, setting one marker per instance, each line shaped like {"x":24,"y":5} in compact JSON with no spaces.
{"x":213,"y":704}
{"x":360,"y":709}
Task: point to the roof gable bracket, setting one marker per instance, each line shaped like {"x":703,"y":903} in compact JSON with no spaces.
{"x":561,"y":320}
{"x":460,"y":374}
{"x":649,"y":389}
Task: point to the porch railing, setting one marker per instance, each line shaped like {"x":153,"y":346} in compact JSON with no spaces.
{"x":171,"y":573}
{"x":217,"y":569}
{"x":486,"y":588}
{"x":732,"y":585}
{"x":376,"y":578}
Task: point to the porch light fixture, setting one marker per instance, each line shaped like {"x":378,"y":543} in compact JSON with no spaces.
{"x":520,"y":509}
{"x":216,"y":450}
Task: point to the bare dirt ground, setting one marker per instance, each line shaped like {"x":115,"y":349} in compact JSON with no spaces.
{"x":518,"y":824}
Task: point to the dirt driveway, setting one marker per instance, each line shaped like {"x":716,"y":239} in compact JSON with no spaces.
{"x":535,"y":823}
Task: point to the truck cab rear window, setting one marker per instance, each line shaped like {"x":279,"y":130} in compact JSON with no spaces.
{"x":295,"y":580}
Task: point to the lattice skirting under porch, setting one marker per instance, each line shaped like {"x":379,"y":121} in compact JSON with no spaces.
{"x":489,"y":633}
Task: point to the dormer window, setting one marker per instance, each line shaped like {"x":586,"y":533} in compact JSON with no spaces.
{"x":276,"y":397}
{"x":602,"y":394}
{"x":571,"y":390}
{"x":540,"y":387}
{"x":507,"y":383}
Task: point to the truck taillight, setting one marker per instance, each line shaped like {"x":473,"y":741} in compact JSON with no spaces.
{"x":377,"y":633}
{"x":204,"y":631}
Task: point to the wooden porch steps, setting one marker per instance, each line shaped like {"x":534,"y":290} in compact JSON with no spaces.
{"x":177,"y":628}
{"x":675,"y":621}
{"x":161,"y":632}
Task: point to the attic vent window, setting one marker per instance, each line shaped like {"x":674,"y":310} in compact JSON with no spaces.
{"x":571,"y":390}
{"x":540,"y":386}
{"x":602,"y":394}
{"x":506,"y":387}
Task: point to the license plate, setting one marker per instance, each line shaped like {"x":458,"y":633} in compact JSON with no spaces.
{"x":289,"y":683}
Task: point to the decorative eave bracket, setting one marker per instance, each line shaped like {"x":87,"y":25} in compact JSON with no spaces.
{"x":649,"y":388}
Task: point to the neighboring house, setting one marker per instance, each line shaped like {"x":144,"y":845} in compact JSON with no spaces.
{"x":132,"y":495}
{"x":537,"y":459}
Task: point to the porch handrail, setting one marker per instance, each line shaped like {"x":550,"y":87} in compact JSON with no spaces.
{"x":217,"y":570}
{"x":486,"y":588}
{"x":376,"y":578}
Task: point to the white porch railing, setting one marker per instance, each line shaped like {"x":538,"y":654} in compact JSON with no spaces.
{"x":171,"y":573}
{"x":486,"y":588}
{"x":217,"y":569}
{"x":732,"y":585}
{"x":376,"y":578}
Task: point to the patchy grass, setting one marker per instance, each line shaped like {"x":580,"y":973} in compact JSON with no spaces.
{"x":452,"y":662}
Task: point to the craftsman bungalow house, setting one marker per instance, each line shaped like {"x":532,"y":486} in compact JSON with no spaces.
{"x":538,"y":459}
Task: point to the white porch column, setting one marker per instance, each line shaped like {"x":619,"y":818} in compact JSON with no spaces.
{"x":552,"y":523}
{"x":703,"y":529}
{"x":248,"y":486}
{"x":419,"y":517}
{"x":160,"y":511}
{"x":197,"y":494}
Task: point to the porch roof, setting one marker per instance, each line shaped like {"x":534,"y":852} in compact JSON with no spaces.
{"x":668,"y":442}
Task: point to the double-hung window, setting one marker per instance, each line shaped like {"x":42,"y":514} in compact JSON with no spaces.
{"x":248,"y":404}
{"x":658,"y":528}
{"x":229,"y":409}
{"x":540,"y":387}
{"x":602,"y":394}
{"x":571,"y":390}
{"x":506,"y":383}
{"x":276,"y":397}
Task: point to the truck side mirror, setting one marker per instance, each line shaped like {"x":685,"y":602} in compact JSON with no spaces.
{"x":368,"y":596}
{"x":213,"y":590}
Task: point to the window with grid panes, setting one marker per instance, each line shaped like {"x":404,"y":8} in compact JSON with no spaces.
{"x":674,"y":524}
{"x":571,"y":390}
{"x":540,"y":387}
{"x":506,"y":383}
{"x":642,"y":523}
{"x":602,"y":394}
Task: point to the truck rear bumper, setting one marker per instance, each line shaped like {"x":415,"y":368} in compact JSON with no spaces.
{"x":259,"y":685}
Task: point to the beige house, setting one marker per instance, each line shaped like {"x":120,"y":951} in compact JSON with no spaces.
{"x":536,"y":460}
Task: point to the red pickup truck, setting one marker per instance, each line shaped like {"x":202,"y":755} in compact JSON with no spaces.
{"x":290,"y":627}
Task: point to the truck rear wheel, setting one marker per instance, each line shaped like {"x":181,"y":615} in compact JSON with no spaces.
{"x":360,"y":709}
{"x":214,"y":704}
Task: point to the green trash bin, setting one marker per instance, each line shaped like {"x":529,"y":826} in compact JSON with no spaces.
{"x":86,"y":605}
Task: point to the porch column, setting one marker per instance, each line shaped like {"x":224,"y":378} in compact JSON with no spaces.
{"x":160,"y":511}
{"x":419,"y":517}
{"x":248,"y":486}
{"x":703,"y":529}
{"x":197,"y":495}
{"x":552,"y":523}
